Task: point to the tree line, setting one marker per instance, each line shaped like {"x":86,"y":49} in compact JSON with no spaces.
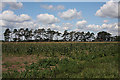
{"x":42,"y":35}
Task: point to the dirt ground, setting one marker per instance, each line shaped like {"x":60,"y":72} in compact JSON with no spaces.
{"x":18,"y":63}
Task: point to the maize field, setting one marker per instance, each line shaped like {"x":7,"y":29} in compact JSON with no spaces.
{"x":60,"y":60}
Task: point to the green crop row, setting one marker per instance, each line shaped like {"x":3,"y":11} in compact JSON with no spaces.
{"x":56,"y":49}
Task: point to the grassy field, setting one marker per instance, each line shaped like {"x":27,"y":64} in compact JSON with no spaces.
{"x":60,"y":60}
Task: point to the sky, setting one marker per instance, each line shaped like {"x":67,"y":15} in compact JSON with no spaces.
{"x":60,"y":16}
{"x":57,"y":0}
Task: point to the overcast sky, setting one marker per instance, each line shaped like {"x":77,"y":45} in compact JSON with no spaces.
{"x":71,"y":16}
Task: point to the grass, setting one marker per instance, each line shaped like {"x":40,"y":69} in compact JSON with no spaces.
{"x":61,"y":60}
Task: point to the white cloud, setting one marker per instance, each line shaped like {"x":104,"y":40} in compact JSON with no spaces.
{"x":47,"y":6}
{"x":47,"y":19}
{"x":61,"y":28}
{"x":60,"y":7}
{"x":70,"y":14}
{"x":111,"y":28}
{"x":67,"y":26}
{"x":2,"y":29}
{"x":94,"y":27}
{"x":81,"y":24}
{"x":35,"y":0}
{"x":51,"y":7}
{"x":12,"y":5}
{"x":110,"y":9}
{"x":105,"y":21}
{"x":26,"y":24}
{"x":15,"y":5}
{"x":54,"y":27}
{"x":2,"y":23}
{"x":11,"y":17}
{"x":2,"y":5}
{"x":10,"y":20}
{"x":8,"y":0}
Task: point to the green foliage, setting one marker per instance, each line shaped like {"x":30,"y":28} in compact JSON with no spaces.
{"x":66,"y":60}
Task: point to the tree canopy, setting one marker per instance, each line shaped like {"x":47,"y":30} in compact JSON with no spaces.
{"x":41,"y":35}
